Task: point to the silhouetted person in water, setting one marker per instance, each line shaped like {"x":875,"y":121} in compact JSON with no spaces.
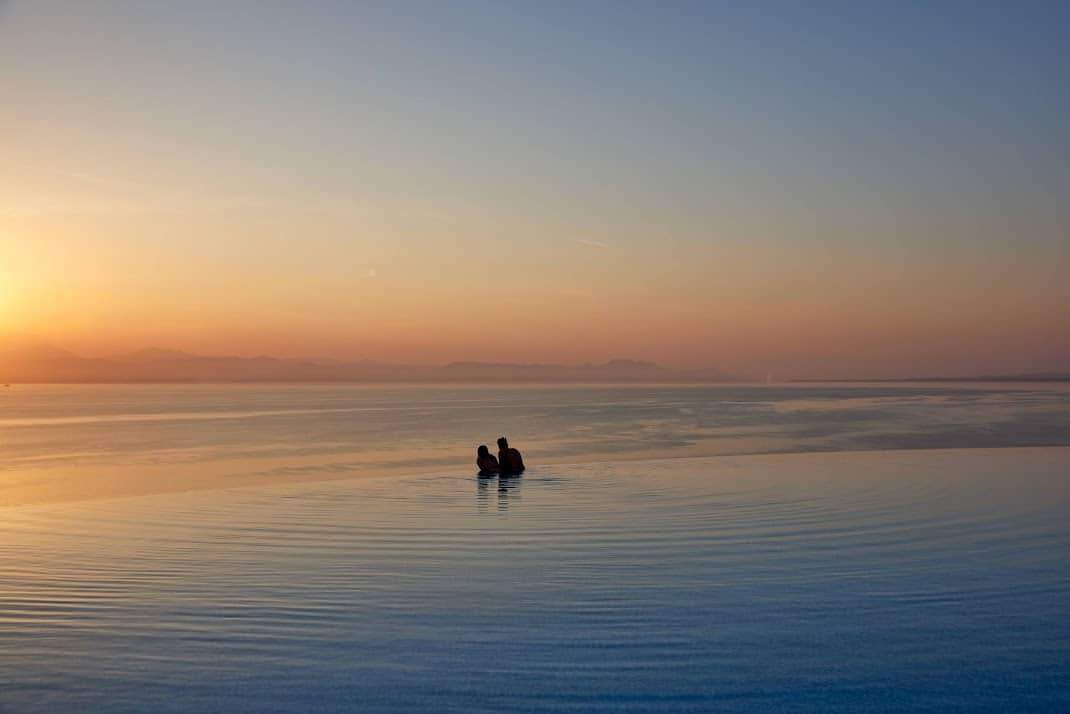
{"x":488,"y":465}
{"x":509,"y":459}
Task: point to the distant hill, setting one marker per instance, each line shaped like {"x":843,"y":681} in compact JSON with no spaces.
{"x":44,"y":363}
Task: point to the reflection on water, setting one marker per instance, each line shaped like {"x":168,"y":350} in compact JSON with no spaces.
{"x":927,"y":580}
{"x":71,"y":442}
{"x":483,"y":486}
{"x":507,"y":489}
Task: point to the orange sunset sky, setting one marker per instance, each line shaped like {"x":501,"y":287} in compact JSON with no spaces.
{"x":739,"y":191}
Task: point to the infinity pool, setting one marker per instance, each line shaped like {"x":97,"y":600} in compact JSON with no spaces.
{"x":930,"y":580}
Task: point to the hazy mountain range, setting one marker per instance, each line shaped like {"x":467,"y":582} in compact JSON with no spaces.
{"x":48,"y":364}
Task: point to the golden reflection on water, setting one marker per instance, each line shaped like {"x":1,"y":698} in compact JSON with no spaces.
{"x":73,"y":443}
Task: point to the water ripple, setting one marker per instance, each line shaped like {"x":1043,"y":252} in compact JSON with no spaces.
{"x":851,"y":582}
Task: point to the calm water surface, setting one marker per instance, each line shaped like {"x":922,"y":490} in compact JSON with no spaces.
{"x":929,"y":580}
{"x":64,"y":442}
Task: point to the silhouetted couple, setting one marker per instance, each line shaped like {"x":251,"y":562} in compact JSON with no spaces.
{"x":508,"y":463}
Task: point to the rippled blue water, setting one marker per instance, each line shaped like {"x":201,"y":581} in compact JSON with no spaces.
{"x":874,"y":581}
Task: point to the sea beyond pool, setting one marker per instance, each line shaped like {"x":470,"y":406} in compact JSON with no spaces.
{"x":72,"y":442}
{"x":750,"y":548}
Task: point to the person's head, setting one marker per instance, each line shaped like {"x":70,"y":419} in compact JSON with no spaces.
{"x":503,"y":443}
{"x":482,"y":450}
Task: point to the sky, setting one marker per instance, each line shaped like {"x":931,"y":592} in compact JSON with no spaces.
{"x":832,"y":189}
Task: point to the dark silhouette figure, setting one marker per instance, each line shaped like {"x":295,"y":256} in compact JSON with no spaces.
{"x":509,"y":459}
{"x":488,"y":465}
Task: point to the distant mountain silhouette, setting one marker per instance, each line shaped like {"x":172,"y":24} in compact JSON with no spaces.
{"x":44,"y":363}
{"x":35,"y":362}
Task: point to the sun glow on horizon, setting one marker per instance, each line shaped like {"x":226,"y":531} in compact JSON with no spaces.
{"x":432,"y":201}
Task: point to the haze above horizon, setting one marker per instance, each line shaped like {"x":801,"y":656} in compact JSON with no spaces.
{"x":851,"y":190}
